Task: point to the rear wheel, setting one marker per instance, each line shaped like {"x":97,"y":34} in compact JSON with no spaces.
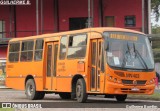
{"x":81,"y":91}
{"x":65,"y":95}
{"x":121,"y":98}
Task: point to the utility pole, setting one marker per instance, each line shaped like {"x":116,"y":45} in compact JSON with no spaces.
{"x":37,"y":18}
{"x":42,"y":17}
{"x":149,"y":17}
{"x":143,"y":30}
{"x":89,"y":13}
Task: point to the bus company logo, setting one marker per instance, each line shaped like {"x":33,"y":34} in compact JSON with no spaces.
{"x":135,"y":82}
{"x":21,"y":105}
{"x":15,"y":2}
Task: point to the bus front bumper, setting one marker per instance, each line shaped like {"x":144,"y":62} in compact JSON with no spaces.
{"x":115,"y":88}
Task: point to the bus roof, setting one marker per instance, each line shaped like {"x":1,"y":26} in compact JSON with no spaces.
{"x":98,"y":29}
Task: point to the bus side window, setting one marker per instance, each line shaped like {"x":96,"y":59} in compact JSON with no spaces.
{"x":14,"y":52}
{"x":27,"y":50}
{"x":77,"y":46}
{"x":64,"y":41}
{"x":38,"y":50}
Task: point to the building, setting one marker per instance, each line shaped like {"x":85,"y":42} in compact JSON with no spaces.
{"x":49,"y":16}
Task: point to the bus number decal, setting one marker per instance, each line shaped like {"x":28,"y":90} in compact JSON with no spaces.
{"x":132,"y":75}
{"x":10,"y":66}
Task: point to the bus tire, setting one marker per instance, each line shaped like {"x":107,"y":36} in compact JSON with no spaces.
{"x":81,"y":94}
{"x":30,"y":90}
{"x":65,"y":95}
{"x":121,"y":98}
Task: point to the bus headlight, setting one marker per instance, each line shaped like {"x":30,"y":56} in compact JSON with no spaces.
{"x":115,"y":79}
{"x":119,"y":81}
{"x":151,"y":81}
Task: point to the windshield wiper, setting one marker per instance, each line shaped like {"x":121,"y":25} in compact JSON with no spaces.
{"x":124,"y":59}
{"x":137,"y":53}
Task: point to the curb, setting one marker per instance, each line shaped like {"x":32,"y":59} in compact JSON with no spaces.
{"x":143,"y":99}
{"x":4,"y":87}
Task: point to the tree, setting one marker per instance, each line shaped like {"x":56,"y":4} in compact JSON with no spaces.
{"x":155,"y":5}
{"x":156,"y":29}
{"x":156,"y":43}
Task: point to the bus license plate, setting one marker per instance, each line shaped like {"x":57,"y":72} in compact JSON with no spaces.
{"x":135,"y":89}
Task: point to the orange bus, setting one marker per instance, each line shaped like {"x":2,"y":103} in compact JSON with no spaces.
{"x":101,"y":61}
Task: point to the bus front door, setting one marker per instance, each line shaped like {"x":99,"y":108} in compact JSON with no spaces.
{"x":51,"y":63}
{"x":95,"y":71}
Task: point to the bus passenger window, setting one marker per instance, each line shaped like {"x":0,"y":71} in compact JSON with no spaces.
{"x":38,"y":55}
{"x":27,"y":50}
{"x":38,"y":50}
{"x":63,"y":46}
{"x":77,"y":46}
{"x":14,"y":52}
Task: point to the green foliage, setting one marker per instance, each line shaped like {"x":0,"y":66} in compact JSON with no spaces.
{"x":156,"y":8}
{"x":155,"y":96}
{"x":156,"y":45}
{"x":156,"y":29}
{"x":156,"y":50}
{"x":7,"y":109}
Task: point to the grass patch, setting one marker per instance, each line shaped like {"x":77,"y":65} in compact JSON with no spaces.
{"x":155,"y":96}
{"x":7,"y":109}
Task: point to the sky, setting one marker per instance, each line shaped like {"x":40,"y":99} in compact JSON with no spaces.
{"x":153,"y":20}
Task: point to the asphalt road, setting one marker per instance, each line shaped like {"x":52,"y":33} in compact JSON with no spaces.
{"x":54,"y":101}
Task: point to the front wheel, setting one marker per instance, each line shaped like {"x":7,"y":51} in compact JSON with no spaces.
{"x":81,"y":91}
{"x":121,"y":98}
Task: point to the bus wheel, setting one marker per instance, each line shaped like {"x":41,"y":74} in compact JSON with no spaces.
{"x":81,"y":91}
{"x":65,"y":95}
{"x":30,"y":90}
{"x":121,"y":98}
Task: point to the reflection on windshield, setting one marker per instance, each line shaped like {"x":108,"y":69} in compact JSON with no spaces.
{"x":131,"y":54}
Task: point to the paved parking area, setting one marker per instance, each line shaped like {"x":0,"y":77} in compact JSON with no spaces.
{"x":54,"y":102}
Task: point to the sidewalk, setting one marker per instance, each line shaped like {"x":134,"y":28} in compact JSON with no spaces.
{"x":4,"y":87}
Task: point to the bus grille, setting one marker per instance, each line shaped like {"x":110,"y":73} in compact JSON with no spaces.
{"x":127,"y":81}
{"x":141,"y":82}
{"x":130,"y":82}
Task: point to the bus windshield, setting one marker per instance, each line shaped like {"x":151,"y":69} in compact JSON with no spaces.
{"x":126,"y":50}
